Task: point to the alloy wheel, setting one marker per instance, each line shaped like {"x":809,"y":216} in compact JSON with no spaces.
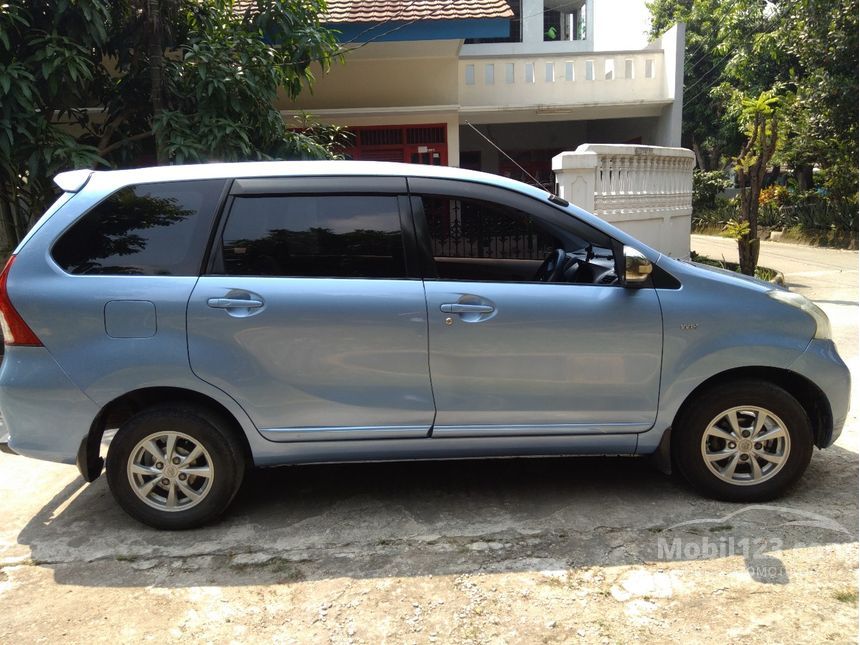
{"x":170,"y":471}
{"x":745,"y":445}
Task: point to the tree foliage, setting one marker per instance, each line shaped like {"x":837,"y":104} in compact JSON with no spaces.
{"x":49,"y":62}
{"x":86,"y":83}
{"x":804,"y":51}
{"x":745,"y":57}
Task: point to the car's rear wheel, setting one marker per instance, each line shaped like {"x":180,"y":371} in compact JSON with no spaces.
{"x":174,"y":467}
{"x":746,"y":441}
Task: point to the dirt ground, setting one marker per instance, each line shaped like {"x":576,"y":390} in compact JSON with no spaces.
{"x":511,"y":551}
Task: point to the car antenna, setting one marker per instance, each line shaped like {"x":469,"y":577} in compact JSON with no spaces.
{"x":552,"y":196}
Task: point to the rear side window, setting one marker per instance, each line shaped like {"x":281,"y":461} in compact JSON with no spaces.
{"x":148,"y":229}
{"x":350,"y":236}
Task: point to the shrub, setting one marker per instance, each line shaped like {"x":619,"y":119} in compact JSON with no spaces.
{"x":707,"y":186}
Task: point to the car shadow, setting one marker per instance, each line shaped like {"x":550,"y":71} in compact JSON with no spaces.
{"x":440,"y":518}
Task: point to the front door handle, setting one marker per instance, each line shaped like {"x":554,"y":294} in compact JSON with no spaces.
{"x":462,"y":308}
{"x":234,"y":303}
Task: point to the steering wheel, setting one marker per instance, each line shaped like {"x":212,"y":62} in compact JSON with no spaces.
{"x":552,"y":267}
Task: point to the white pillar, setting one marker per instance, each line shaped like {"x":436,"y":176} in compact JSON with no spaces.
{"x":576,"y":174}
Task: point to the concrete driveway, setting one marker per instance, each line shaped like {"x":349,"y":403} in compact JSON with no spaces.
{"x":518,"y":551}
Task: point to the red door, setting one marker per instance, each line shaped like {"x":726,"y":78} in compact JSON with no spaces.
{"x":420,"y":144}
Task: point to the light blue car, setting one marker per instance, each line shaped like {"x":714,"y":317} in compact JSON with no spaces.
{"x":227,"y":316}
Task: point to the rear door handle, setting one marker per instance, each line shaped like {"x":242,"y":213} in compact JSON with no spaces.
{"x":460,"y":308}
{"x":234,"y":303}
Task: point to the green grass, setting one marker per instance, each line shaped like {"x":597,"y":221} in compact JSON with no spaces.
{"x":849,"y":596}
{"x":762,"y":273}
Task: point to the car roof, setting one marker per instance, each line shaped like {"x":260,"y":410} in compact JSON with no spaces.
{"x":297,"y":169}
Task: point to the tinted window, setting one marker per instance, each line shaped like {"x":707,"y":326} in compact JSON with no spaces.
{"x":462,"y":228}
{"x":149,"y":229}
{"x":354,"y":236}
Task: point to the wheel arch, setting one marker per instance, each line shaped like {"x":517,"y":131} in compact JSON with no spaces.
{"x":810,"y":396}
{"x":122,"y":408}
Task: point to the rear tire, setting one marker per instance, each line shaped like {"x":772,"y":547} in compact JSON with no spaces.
{"x":746,"y":441}
{"x":174,"y":467}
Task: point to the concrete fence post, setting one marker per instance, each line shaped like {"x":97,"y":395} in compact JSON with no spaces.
{"x":576,"y":175}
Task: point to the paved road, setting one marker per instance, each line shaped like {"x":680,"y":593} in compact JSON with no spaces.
{"x":518,"y":551}
{"x":818,"y":273}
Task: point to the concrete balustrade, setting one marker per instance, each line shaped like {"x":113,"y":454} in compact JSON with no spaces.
{"x":646,"y":191}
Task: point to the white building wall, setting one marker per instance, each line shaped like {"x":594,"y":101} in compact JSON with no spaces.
{"x":669,"y":126}
{"x":620,"y":25}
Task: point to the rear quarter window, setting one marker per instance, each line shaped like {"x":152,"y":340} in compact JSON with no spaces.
{"x":146,"y":229}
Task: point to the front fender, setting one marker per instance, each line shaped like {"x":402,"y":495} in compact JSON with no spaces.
{"x":713,"y":326}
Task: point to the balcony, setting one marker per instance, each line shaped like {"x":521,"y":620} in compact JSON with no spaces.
{"x":557,"y":84}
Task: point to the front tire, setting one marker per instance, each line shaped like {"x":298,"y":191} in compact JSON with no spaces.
{"x":174,"y":467}
{"x":746,"y":441}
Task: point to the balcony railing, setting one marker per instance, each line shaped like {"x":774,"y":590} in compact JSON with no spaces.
{"x":557,"y":80}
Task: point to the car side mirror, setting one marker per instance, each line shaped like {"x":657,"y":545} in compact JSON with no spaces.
{"x":637,"y":268}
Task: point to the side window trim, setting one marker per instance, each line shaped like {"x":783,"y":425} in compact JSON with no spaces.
{"x":424,"y":249}
{"x":215,"y":257}
{"x":319,"y":185}
{"x":409,"y":238}
{"x":213,"y":248}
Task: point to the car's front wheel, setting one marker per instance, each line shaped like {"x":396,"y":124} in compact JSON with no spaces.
{"x":746,"y":441}
{"x":174,"y":467}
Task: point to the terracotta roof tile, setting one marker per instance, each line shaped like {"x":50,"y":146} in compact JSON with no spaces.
{"x":381,"y":10}
{"x":406,"y":10}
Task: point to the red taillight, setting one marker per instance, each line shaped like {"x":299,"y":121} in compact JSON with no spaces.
{"x":15,"y":330}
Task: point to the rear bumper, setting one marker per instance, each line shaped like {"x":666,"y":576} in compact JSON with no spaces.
{"x":46,"y":415}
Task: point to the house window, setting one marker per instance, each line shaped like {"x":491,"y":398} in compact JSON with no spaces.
{"x":509,"y":73}
{"x":589,"y":70}
{"x":470,"y":74}
{"x":530,"y":72}
{"x":628,"y":68}
{"x":550,"y":72}
{"x":489,"y":74}
{"x":649,"y":68}
{"x":568,"y":70}
{"x":609,"y":69}
{"x":564,"y":20}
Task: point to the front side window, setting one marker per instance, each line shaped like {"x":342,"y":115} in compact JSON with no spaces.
{"x":470,"y":239}
{"x":147,"y":229}
{"x":349,"y":236}
{"x":475,"y":240}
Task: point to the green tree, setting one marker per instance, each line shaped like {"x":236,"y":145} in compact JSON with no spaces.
{"x":49,"y":61}
{"x":805,"y":52}
{"x":760,"y":117}
{"x":730,"y":47}
{"x":821,"y":36}
{"x":177,"y":81}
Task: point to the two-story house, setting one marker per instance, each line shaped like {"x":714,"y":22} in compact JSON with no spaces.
{"x":535,"y":76}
